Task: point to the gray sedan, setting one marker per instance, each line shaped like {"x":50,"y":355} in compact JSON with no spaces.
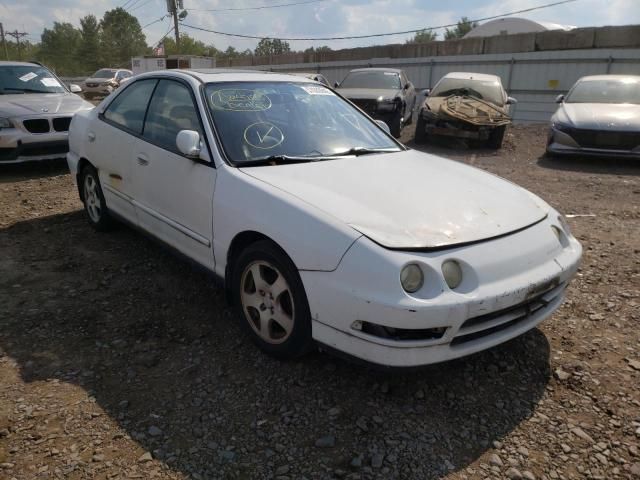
{"x":599,"y":116}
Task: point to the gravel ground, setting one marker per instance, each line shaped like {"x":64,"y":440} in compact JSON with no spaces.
{"x":119,"y":360}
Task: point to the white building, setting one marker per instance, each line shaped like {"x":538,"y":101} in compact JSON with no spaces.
{"x":511,"y":25}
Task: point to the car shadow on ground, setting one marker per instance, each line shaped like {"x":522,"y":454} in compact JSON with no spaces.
{"x":152,"y":341}
{"x":18,"y":172}
{"x":605,"y":165}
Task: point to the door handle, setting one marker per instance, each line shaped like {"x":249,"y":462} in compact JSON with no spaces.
{"x":91,"y":136}
{"x":142,"y":160}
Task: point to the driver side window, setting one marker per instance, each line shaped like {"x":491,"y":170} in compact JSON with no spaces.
{"x":171,"y":110}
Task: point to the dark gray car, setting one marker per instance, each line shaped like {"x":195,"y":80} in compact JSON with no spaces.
{"x":382,"y":93}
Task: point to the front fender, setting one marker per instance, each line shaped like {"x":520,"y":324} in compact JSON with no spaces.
{"x":313,"y":239}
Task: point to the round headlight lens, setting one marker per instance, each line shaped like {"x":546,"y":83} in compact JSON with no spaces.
{"x":452,"y":273}
{"x":411,"y":278}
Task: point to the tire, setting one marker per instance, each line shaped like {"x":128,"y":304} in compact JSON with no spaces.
{"x":94,"y":204}
{"x":270,"y":299}
{"x":421,"y":134}
{"x":496,"y":136}
{"x":396,"y":125}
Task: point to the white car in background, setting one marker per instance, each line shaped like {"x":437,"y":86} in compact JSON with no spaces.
{"x":324,"y":228}
{"x":599,"y":116}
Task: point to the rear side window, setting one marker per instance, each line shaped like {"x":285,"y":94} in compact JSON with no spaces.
{"x":128,"y":108}
{"x":171,"y":110}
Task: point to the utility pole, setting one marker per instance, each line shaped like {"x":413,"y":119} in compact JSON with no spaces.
{"x":4,"y":41}
{"x":172,"y":8}
{"x":18,"y":35}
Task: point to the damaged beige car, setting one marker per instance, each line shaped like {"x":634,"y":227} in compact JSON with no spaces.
{"x":465,"y":105}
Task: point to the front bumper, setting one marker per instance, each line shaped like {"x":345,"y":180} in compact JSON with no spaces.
{"x":450,"y":128}
{"x":561,"y":143}
{"x":19,"y":146}
{"x":97,"y":90}
{"x":511,"y":284}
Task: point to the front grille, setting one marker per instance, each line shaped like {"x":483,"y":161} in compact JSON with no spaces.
{"x":61,"y":124}
{"x":608,"y":140}
{"x":368,"y":106}
{"x":490,"y":323}
{"x":36,"y":125}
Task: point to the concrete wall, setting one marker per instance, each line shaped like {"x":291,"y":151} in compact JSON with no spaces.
{"x":534,"y":78}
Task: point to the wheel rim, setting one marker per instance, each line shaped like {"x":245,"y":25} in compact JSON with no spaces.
{"x":91,"y":198}
{"x":267,"y":302}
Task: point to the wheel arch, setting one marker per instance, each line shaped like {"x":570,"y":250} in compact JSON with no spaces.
{"x":82,"y":163}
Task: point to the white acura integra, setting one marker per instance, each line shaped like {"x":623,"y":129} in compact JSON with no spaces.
{"x":323,"y":227}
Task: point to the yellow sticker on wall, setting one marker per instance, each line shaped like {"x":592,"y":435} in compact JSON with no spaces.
{"x":553,"y":83}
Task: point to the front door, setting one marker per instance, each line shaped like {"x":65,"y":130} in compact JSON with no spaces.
{"x":174,"y":194}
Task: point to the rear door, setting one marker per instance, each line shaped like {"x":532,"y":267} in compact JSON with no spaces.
{"x":110,"y":145}
{"x":174,"y":193}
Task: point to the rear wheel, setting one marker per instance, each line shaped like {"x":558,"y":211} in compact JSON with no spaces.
{"x":496,"y":136}
{"x":271,"y":300}
{"x":93,"y":199}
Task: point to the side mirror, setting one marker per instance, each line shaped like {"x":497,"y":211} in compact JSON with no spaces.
{"x":406,"y":86}
{"x":336,"y":85}
{"x":74,"y":88}
{"x":188,"y":143}
{"x":511,"y":101}
{"x":383,"y":126}
{"x":426,"y":92}
{"x":560,"y":98}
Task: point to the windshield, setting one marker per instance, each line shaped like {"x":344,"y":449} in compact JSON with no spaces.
{"x":104,"y":73}
{"x":28,"y":79}
{"x":257,"y":120}
{"x":622,"y":90}
{"x":376,"y":79}
{"x":489,"y":90}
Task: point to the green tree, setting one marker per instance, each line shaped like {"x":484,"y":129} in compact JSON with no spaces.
{"x":189,"y":46}
{"x":464,"y":26}
{"x":59,"y":47}
{"x":27,"y":51}
{"x":423,"y":36}
{"x":121,"y":38}
{"x":89,"y":54}
{"x":271,"y":46}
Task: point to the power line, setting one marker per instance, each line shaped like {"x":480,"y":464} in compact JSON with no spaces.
{"x":155,"y":21}
{"x":351,"y":37}
{"x":163,"y":37}
{"x":141,"y":5}
{"x":132,"y":4}
{"x":263,"y":7}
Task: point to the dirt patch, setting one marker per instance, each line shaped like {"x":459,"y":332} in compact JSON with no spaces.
{"x":119,"y":360}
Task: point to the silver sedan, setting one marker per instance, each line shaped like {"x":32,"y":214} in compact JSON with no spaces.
{"x":599,"y":116}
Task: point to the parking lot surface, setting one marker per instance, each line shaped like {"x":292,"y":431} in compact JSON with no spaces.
{"x":120,"y":360}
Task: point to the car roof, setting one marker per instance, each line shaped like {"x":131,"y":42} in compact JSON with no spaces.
{"x":609,"y":77}
{"x":472,"y":76}
{"x":229,"y":75}
{"x":5,"y":63}
{"x":376,"y":69}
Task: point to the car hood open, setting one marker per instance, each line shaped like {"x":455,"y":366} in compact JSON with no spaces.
{"x":409,"y":200}
{"x":623,"y":117}
{"x":39,"y":103}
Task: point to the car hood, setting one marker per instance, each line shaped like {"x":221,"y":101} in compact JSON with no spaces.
{"x":435,"y":103}
{"x":409,"y":199}
{"x":35,"y":103}
{"x":369,"y":93}
{"x":601,"y":116}
{"x":97,"y":80}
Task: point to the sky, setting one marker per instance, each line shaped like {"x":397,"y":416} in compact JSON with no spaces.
{"x":319,"y":19}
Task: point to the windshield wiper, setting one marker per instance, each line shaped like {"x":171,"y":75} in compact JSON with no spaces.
{"x":357,"y":151}
{"x":25,"y":90}
{"x":279,"y":159}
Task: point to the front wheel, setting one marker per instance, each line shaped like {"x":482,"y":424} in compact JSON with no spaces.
{"x":270,"y":298}
{"x":396,"y":125}
{"x":496,"y":136}
{"x":421,"y":132}
{"x":93,"y":199}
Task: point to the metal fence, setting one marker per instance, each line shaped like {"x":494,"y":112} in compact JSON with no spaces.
{"x":533,"y":78}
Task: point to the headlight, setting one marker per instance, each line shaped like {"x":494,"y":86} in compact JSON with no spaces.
{"x":5,"y":123}
{"x":411,"y":278}
{"x":386,"y":104}
{"x":452,"y":273}
{"x":561,"y":127}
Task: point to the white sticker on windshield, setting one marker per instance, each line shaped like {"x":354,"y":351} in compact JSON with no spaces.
{"x":50,"y":82}
{"x":316,"y":90}
{"x":28,"y":76}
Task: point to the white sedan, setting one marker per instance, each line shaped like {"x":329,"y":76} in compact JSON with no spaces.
{"x":325,"y":230}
